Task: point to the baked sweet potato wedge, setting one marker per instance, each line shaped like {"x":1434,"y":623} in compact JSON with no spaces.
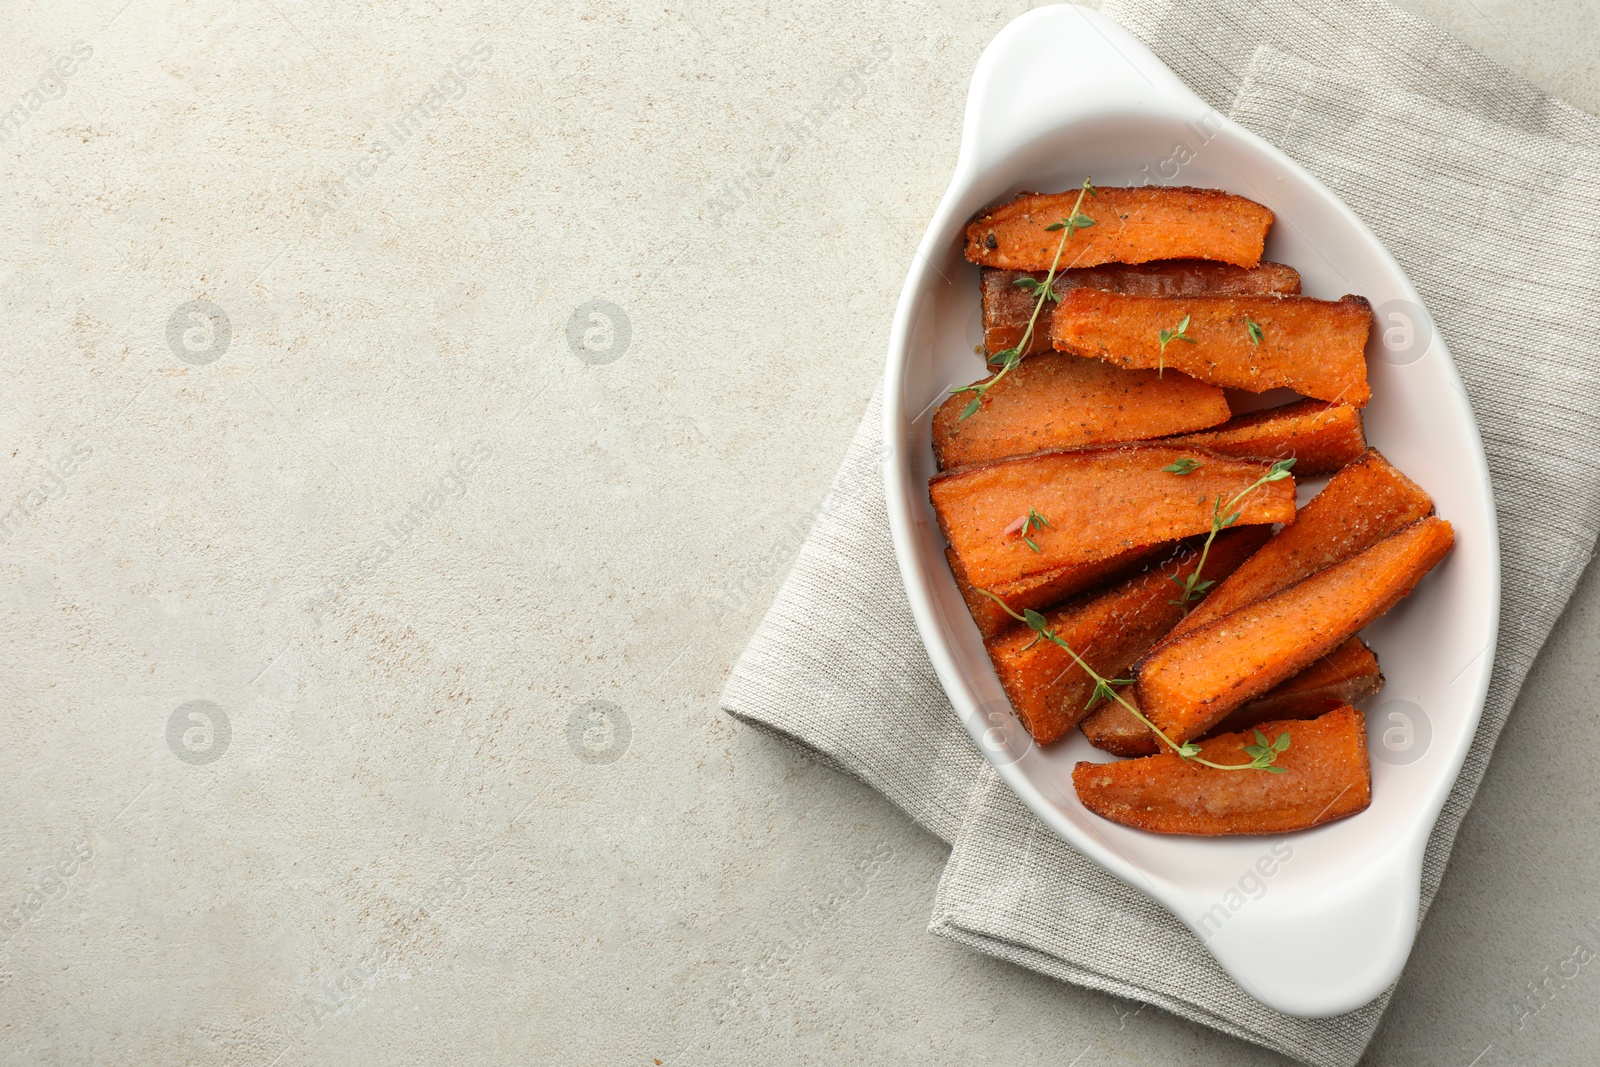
{"x":1321,"y":437}
{"x":1047,"y":589}
{"x":1315,"y":347}
{"x":1094,"y":503}
{"x":1326,"y":776}
{"x":1054,"y":400}
{"x":1189,"y":683}
{"x":1008,"y":306}
{"x":1361,"y":505}
{"x":1134,"y":225}
{"x":1109,"y":629}
{"x":1347,"y":675}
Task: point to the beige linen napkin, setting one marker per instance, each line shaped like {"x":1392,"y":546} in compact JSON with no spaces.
{"x":1486,"y":190}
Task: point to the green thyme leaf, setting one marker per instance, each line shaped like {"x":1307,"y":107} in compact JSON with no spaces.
{"x":1264,"y":754}
{"x":1183,"y":466}
{"x":1166,"y":337}
{"x":1104,"y":690}
{"x":1253,"y":328}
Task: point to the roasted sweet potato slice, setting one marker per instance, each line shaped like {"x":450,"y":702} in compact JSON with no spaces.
{"x":1315,"y":347}
{"x":1347,"y":675}
{"x":1099,"y":502}
{"x":1045,"y":590}
{"x":1109,"y":629}
{"x":1008,"y":306}
{"x":1189,"y":683}
{"x":1360,"y":506}
{"x":1130,"y":226}
{"x":1054,"y":400}
{"x":1321,"y":437}
{"x":1326,"y":776}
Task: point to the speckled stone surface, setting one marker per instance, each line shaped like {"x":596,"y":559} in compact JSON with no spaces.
{"x":407,"y":412}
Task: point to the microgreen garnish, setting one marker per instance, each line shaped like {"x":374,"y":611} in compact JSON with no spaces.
{"x":1193,"y":586}
{"x":1253,"y":328}
{"x":1166,"y":337}
{"x":1008,"y":358}
{"x":1263,"y":756}
{"x":1183,"y":466}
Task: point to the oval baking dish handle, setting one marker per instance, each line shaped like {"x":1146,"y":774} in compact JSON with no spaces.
{"x":1323,"y":955}
{"x":1056,"y":66}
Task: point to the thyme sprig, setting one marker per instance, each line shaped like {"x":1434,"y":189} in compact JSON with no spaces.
{"x":1268,"y":750}
{"x":1193,"y":586}
{"x":1038,"y":288}
{"x":1166,"y":337}
{"x":1008,"y":358}
{"x":1253,"y":328}
{"x":1183,"y":466}
{"x":1028,"y":523}
{"x":1263,"y":755}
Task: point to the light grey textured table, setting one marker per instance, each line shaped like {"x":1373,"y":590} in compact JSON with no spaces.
{"x":407,"y":414}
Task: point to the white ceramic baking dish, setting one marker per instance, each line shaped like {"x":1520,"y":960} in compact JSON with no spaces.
{"x":1063,"y":93}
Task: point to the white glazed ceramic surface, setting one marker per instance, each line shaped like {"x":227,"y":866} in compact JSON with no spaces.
{"x":1315,"y":923}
